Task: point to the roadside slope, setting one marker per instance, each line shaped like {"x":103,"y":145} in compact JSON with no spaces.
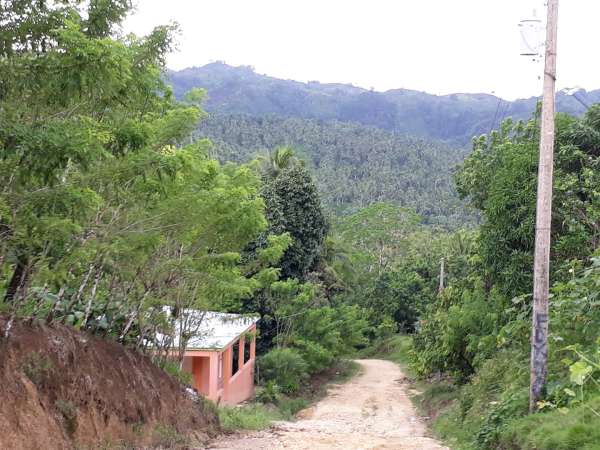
{"x":372,"y":411}
{"x":61,"y":389}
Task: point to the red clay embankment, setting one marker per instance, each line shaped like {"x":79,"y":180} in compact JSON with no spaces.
{"x":63,"y":389}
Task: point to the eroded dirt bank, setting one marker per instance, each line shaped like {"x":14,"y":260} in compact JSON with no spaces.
{"x":372,"y":411}
{"x":63,"y":389}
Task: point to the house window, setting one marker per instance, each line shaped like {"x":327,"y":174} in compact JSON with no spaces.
{"x":247,"y":345}
{"x":235,"y":365}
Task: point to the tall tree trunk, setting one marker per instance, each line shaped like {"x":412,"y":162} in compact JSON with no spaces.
{"x":133,"y":315}
{"x":17,"y":280}
{"x":88,"y":308}
{"x":77,"y":296}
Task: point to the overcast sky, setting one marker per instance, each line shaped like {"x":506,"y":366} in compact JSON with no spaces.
{"x":437,"y":46}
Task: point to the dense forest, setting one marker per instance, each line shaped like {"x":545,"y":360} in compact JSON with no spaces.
{"x":354,"y":165}
{"x":455,"y":118}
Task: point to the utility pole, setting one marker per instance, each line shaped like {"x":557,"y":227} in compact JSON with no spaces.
{"x":541,"y":272}
{"x":441,"y":276}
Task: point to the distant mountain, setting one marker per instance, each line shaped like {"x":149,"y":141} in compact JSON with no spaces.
{"x":354,"y":164}
{"x":454,"y":118}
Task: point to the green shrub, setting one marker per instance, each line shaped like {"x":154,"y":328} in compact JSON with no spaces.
{"x":495,"y":395}
{"x":500,"y":413}
{"x":248,"y":417}
{"x":284,"y":367}
{"x":458,"y":338}
{"x":269,"y":393}
{"x":173,"y":369}
{"x":290,"y":406}
{"x":399,"y":349}
{"x":316,"y":356}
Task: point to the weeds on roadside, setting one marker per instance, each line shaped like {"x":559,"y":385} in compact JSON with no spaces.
{"x":68,"y":412}
{"x":37,"y":367}
{"x":168,"y":437}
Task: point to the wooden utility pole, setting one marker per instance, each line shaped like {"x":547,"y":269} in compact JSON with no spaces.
{"x":541,"y":272}
{"x":441,"y":276}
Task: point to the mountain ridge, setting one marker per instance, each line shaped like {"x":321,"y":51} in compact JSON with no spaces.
{"x":453,"y":118}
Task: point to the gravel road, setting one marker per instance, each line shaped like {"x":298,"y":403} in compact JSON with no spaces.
{"x":371,"y":411}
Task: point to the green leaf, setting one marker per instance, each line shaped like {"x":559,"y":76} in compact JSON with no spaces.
{"x":579,"y":372}
{"x":569,"y":392}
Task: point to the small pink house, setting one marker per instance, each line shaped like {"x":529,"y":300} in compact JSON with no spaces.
{"x":220,"y":356}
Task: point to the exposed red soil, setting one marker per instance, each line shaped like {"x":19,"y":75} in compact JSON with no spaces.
{"x":63,"y":389}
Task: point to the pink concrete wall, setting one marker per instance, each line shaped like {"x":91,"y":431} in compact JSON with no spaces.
{"x":214,"y":380}
{"x":240,"y":387}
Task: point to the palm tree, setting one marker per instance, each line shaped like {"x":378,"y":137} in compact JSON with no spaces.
{"x":279,"y":159}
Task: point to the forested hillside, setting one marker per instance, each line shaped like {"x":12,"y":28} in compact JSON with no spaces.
{"x":455,"y":118}
{"x":354,"y":165}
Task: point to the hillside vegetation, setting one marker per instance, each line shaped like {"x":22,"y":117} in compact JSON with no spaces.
{"x":354,"y":165}
{"x":455,"y":118}
{"x":116,"y":224}
{"x":476,"y":335}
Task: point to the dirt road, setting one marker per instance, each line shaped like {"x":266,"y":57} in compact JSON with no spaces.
{"x":372,"y":411}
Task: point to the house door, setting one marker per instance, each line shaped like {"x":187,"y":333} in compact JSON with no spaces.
{"x":201,"y":373}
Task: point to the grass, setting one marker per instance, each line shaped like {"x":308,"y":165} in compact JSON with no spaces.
{"x":68,"y":412}
{"x":38,"y":367}
{"x":253,"y":416}
{"x":168,"y":437}
{"x":490,"y":411}
{"x":396,"y":349}
{"x":575,"y":429}
{"x":258,"y":416}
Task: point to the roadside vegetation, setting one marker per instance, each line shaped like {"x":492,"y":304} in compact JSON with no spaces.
{"x":470,"y":346}
{"x":271,"y":404}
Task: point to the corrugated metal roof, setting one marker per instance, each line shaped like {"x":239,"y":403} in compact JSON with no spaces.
{"x":211,"y":330}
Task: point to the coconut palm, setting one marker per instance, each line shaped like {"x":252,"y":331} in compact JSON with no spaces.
{"x":279,"y":159}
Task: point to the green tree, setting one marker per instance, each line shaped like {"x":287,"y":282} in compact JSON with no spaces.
{"x":108,"y":211}
{"x":293,"y":206}
{"x":379,"y":231}
{"x":353,"y":165}
{"x":499,"y":179}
